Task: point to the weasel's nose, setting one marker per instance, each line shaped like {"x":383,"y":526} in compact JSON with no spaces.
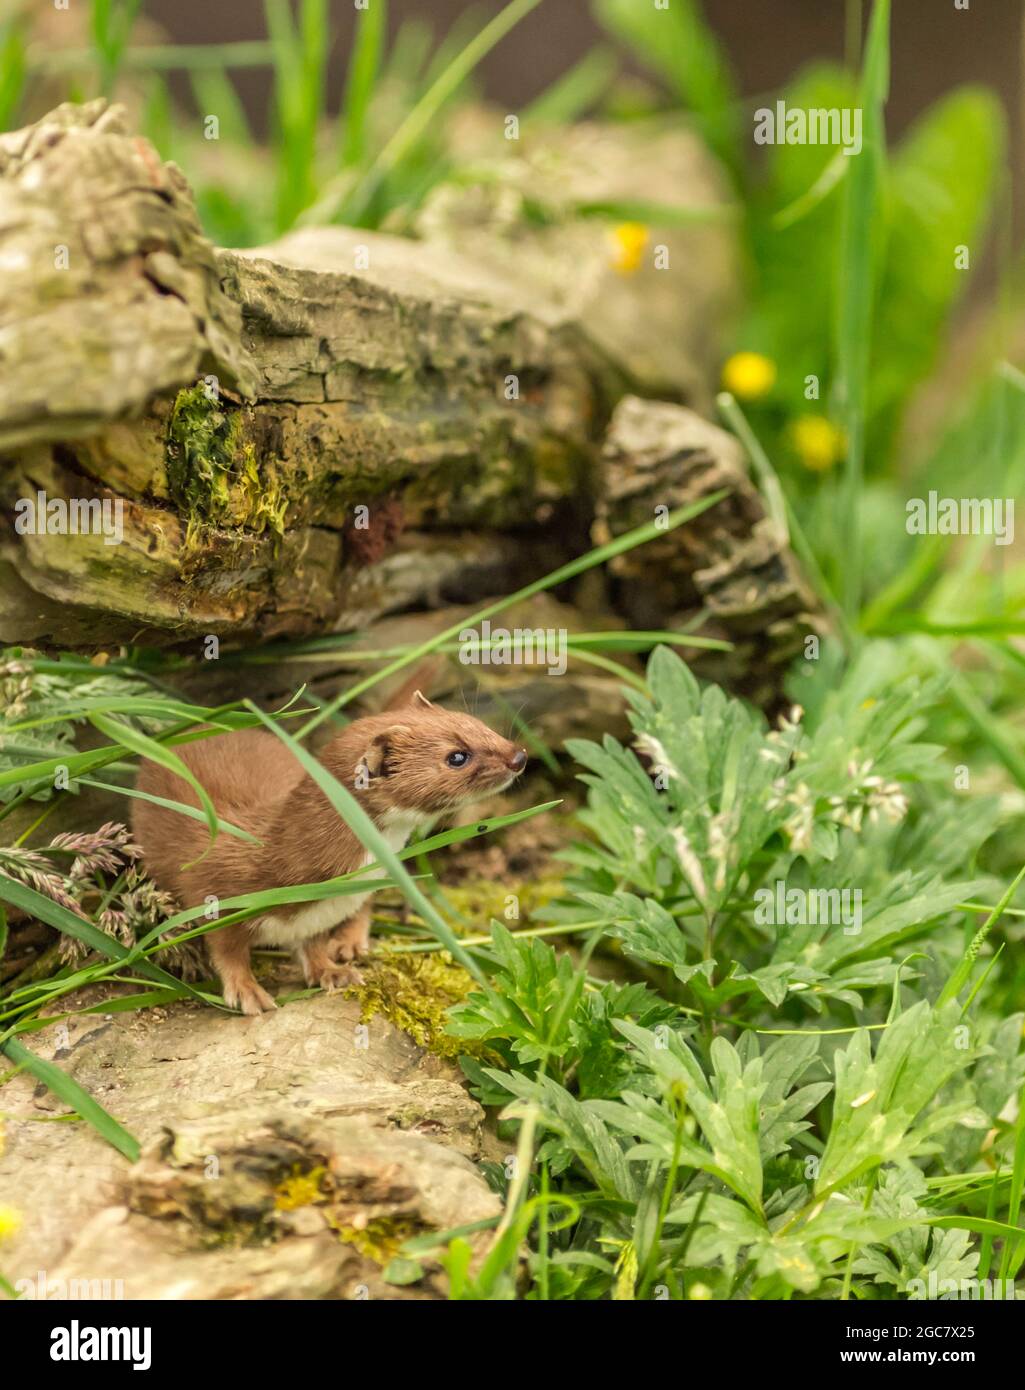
{"x":518,"y":761}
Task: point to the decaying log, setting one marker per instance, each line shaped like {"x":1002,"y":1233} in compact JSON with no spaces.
{"x":352,"y":425}
{"x":737,"y":570}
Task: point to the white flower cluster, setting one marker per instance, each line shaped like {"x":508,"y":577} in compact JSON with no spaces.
{"x":871,"y":798}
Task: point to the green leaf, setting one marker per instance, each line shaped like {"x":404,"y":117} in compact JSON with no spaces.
{"x":942,"y":185}
{"x":529,"y":1002}
{"x":725,"y":1106}
{"x":580,"y":1125}
{"x":877,"y":1100}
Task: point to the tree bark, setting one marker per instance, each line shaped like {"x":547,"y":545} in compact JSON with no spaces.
{"x":351,"y":425}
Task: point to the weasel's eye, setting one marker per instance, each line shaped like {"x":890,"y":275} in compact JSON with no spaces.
{"x":458,"y":759}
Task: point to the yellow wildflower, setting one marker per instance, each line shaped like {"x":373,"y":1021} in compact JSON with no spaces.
{"x":819,"y":444}
{"x":629,"y":240}
{"x":10,"y":1221}
{"x":749,"y":375}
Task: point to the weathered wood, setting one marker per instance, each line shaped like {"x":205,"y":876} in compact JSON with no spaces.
{"x":736,"y":570}
{"x":656,"y":290}
{"x":350,"y":425}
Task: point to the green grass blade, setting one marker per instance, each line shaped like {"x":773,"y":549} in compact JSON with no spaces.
{"x":191,"y":811}
{"x":1011,"y":1250}
{"x":986,"y":1247}
{"x":353,"y":814}
{"x":628,"y":541}
{"x":831,"y":177}
{"x":653,"y":213}
{"x":981,"y":1225}
{"x":140,"y":706}
{"x":858,"y":266}
{"x":991,"y":729}
{"x":147,"y":747}
{"x":776,"y":501}
{"x":962,"y":971}
{"x":111,"y":23}
{"x":576,"y":91}
{"x":983,"y":977}
{"x":300,"y":57}
{"x":72,"y":1094}
{"x":925,"y":560}
{"x":678,"y":43}
{"x":364,"y":66}
{"x":13,"y":69}
{"x":418,"y":122}
{"x":766,"y":476}
{"x":220,"y":720}
{"x":577,"y":643}
{"x":214,"y":94}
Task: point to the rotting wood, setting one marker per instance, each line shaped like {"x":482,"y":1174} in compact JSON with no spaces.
{"x":348,"y":425}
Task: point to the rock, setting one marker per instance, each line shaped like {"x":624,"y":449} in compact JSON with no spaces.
{"x":234,"y":1115}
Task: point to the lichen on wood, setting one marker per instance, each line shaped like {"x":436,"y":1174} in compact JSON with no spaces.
{"x":349,"y":424}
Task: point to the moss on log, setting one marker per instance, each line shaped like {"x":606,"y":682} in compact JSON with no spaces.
{"x":349,"y":425}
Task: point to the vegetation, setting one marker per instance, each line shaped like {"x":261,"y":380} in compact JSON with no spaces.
{"x":745,"y":1101}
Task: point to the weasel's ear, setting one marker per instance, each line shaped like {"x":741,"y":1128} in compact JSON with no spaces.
{"x":375,"y":756}
{"x":421,"y":700}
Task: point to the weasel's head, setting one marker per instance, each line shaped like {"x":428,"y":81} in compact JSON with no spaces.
{"x":432,"y":760}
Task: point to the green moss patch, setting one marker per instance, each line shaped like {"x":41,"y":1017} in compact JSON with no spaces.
{"x":381,"y":1238}
{"x":415,"y":993}
{"x":212,"y":470}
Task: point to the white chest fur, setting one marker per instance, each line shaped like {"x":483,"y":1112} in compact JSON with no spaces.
{"x":317,"y":917}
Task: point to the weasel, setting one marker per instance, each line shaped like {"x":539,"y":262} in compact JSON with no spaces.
{"x":404,"y":766}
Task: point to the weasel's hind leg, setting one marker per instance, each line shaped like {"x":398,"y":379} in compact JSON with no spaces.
{"x":320,"y":966}
{"x":351,"y":940}
{"x":230,"y":953}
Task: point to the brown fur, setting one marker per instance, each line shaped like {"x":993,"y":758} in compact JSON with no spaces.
{"x":394,"y":763}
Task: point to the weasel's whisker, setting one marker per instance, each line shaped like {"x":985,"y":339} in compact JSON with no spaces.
{"x":514,"y":717}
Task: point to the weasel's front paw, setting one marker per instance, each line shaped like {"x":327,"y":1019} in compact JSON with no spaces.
{"x":334,"y":977}
{"x":351,"y":941}
{"x":248,"y":996}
